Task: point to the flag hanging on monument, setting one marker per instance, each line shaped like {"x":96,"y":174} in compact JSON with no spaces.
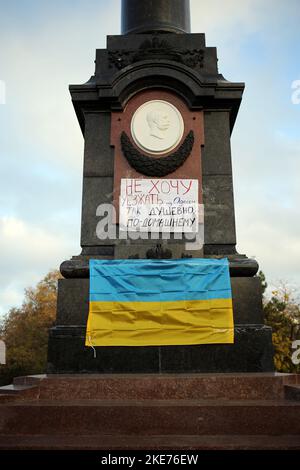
{"x":159,"y":302}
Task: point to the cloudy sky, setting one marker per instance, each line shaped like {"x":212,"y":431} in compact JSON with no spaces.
{"x":46,"y":45}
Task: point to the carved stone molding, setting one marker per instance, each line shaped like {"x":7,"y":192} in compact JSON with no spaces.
{"x":159,"y":252}
{"x":153,"y":166}
{"x":153,"y":49}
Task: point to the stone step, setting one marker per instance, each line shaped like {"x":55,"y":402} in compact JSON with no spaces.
{"x":29,"y":379}
{"x":159,"y":442}
{"x":18,"y":392}
{"x":292,"y":392}
{"x":14,"y":389}
{"x":160,"y":387}
{"x":151,"y":417}
{"x":4,"y":398}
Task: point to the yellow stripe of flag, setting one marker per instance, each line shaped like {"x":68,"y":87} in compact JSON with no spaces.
{"x":181,"y":322}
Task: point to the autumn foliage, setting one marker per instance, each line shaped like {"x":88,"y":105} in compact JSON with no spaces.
{"x":282,"y":313}
{"x":25,"y":330}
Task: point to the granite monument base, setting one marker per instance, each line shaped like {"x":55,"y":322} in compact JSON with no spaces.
{"x":252,"y":350}
{"x":157,"y":411}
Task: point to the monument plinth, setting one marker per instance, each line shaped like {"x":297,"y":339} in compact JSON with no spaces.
{"x":157,"y":110}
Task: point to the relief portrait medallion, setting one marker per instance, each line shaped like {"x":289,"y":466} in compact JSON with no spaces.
{"x":157,"y":127}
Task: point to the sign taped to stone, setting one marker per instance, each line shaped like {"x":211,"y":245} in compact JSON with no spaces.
{"x":159,"y":205}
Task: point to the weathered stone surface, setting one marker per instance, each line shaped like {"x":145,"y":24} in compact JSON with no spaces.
{"x":247,"y":300}
{"x":98,"y":154}
{"x":67,"y":354}
{"x":96,"y":191}
{"x":138,"y":41}
{"x":78,"y":266}
{"x":252,"y":351}
{"x":134,"y":250}
{"x":73,"y":301}
{"x":292,"y":392}
{"x":151,"y":411}
{"x":143,"y":443}
{"x":264,"y":386}
{"x":157,"y":15}
{"x":216,"y":154}
{"x":219,"y":221}
{"x":184,"y":417}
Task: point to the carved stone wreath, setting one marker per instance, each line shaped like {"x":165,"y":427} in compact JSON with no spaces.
{"x":153,"y":49}
{"x":151,"y":166}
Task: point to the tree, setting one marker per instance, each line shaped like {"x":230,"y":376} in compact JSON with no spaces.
{"x":282,"y":313}
{"x":25,"y":330}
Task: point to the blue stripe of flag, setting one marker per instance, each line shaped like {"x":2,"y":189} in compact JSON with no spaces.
{"x":159,"y":280}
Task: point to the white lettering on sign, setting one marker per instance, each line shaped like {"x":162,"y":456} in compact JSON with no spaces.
{"x":159,"y":205}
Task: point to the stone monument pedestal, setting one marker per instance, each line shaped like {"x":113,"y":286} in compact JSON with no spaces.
{"x":252,"y":350}
{"x":157,"y":60}
{"x":155,"y":412}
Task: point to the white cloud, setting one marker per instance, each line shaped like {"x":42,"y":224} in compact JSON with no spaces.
{"x":27,"y":253}
{"x":38,"y":65}
{"x":221,"y":18}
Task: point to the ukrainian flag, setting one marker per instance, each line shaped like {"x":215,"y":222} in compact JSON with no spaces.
{"x":159,"y":302}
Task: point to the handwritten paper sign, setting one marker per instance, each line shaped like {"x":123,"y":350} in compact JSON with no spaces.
{"x":159,"y":205}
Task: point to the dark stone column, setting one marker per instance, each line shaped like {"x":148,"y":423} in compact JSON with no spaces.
{"x":147,"y":16}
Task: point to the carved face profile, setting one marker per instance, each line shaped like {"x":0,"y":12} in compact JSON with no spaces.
{"x":157,"y":127}
{"x":158,"y":122}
